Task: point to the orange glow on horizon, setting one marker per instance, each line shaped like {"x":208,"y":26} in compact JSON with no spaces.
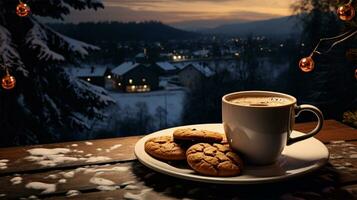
{"x":207,"y":9}
{"x":173,"y":11}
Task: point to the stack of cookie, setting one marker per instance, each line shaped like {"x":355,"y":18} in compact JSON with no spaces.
{"x":206,"y":152}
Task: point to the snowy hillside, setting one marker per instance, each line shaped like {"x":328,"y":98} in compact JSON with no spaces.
{"x":158,"y":103}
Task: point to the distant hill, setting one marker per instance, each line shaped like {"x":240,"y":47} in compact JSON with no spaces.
{"x":197,"y":25}
{"x":116,"y":31}
{"x":271,"y":27}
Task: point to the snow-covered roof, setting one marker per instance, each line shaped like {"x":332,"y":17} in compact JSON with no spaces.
{"x":124,"y":68}
{"x":206,"y":71}
{"x":203,"y":52}
{"x":182,"y":65}
{"x":166,"y":66}
{"x":140,"y":55}
{"x":87,"y":71}
{"x":166,"y":54}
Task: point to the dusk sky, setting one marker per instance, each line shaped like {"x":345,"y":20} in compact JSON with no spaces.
{"x":174,"y":11}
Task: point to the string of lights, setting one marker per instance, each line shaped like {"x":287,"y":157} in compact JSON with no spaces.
{"x":345,"y":12}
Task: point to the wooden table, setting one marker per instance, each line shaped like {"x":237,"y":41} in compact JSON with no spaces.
{"x":112,"y":164}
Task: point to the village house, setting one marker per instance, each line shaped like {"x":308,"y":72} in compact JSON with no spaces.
{"x":204,"y":53}
{"x":135,"y":77}
{"x":193,"y":73}
{"x":94,"y":75}
{"x":141,"y":57}
{"x":166,"y":68}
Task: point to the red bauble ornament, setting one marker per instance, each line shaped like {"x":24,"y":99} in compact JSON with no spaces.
{"x":307,"y":64}
{"x":346,"y":12}
{"x":8,"y":82}
{"x":356,"y":74}
{"x":23,"y":10}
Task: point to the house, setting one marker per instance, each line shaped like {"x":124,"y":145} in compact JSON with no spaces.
{"x":193,"y":73}
{"x":94,"y":75}
{"x":141,"y":57}
{"x":204,"y":53}
{"x":166,"y":68}
{"x":135,"y":77}
{"x":165,"y":56}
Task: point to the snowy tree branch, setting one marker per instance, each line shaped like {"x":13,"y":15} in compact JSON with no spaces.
{"x":8,"y":54}
{"x":60,"y":8}
{"x":75,"y":46}
{"x":42,"y":37}
{"x":37,"y":39}
{"x":82,"y":4}
{"x":88,"y":93}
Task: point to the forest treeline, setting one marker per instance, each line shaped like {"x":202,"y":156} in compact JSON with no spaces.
{"x":96,"y":32}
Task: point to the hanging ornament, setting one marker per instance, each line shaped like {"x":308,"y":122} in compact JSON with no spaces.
{"x":346,"y":12}
{"x":22,"y":9}
{"x":356,"y":74}
{"x":307,"y":64}
{"x":8,"y":82}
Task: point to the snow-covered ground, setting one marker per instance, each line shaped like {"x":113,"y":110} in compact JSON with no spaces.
{"x":170,"y":100}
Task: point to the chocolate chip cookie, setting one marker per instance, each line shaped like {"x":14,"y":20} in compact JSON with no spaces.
{"x":195,"y":135}
{"x":164,"y":148}
{"x":214,"y":160}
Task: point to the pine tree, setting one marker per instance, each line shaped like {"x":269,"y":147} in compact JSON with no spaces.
{"x":47,"y":104}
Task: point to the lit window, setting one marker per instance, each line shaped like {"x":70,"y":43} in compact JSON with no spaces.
{"x":145,"y":86}
{"x":119,"y":84}
{"x":130,"y":81}
{"x":144,"y":79}
{"x":133,"y":87}
{"x":88,"y":79}
{"x":109,"y":76}
{"x":175,"y":57}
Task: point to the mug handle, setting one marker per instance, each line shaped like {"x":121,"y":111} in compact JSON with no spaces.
{"x":320,"y":121}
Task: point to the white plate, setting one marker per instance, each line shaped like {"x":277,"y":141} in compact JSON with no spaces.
{"x":297,"y":159}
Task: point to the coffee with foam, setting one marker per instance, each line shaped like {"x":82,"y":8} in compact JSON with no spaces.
{"x":258,"y":124}
{"x":261,"y":101}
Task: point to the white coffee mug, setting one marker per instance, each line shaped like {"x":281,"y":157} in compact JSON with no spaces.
{"x":260,"y":133}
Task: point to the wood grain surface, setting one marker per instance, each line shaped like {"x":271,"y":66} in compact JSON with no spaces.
{"x":126,"y":178}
